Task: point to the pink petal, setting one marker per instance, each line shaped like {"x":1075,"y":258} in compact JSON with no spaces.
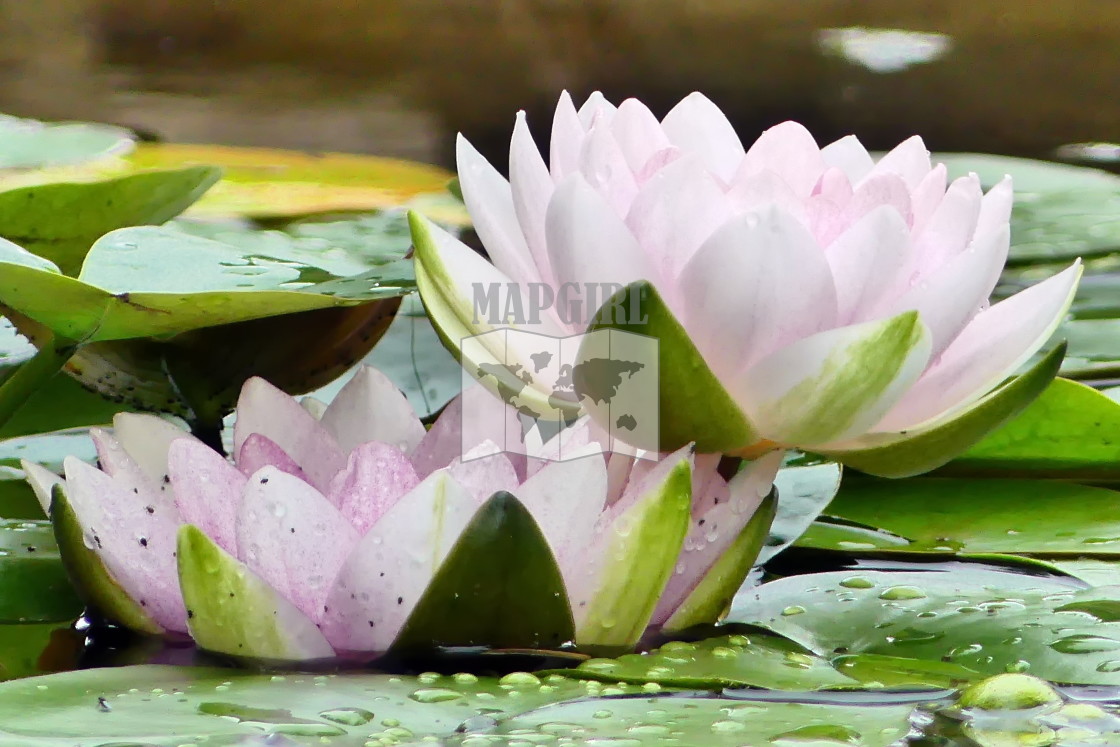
{"x":565,"y":499}
{"x":909,"y":160}
{"x":260,"y":451}
{"x":371,"y":408}
{"x":994,"y":344}
{"x":207,"y":490}
{"x":995,"y":208}
{"x":950,"y":296}
{"x":264,"y":409}
{"x":482,"y":476}
{"x":835,"y":186}
{"x":880,"y":189}
{"x":698,"y":126}
{"x":848,"y":155}
{"x":788,"y":150}
{"x":713,"y":532}
{"x":376,"y":476}
{"x":392,"y":565}
{"x":134,"y":538}
{"x":638,"y":133}
{"x":675,"y":212}
{"x":116,"y":462}
{"x":744,"y":275}
{"x":146,"y":439}
{"x":589,"y":243}
{"x":532,"y":188}
{"x":761,"y":189}
{"x":604,"y":166}
{"x":925,"y":198}
{"x":293,"y":538}
{"x":867,"y":261}
{"x":476,"y":416}
{"x":595,"y":109}
{"x":567,"y":139}
{"x":951,"y":227}
{"x":490,"y":203}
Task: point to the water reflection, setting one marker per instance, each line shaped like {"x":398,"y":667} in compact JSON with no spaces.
{"x":398,"y":77}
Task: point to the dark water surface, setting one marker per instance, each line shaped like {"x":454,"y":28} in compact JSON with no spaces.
{"x":399,"y":77}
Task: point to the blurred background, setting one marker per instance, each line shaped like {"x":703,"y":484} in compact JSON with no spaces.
{"x":400,"y":77}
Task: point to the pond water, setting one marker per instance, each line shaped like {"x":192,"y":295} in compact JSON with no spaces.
{"x":399,"y":77}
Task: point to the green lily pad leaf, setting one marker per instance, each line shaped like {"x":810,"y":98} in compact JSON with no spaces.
{"x":28,"y":649}
{"x":499,"y":586}
{"x":756,"y":660}
{"x":1001,"y":516}
{"x":272,"y":183}
{"x":711,"y":597}
{"x":644,"y":544}
{"x":61,"y":221}
{"x":168,"y":706}
{"x":986,"y":620}
{"x":693,"y":406}
{"x":1061,"y":212}
{"x":231,"y":610}
{"x":30,"y":144}
{"x":1092,"y":348}
{"x":1071,"y":431}
{"x":89,"y":575}
{"x":898,"y":671}
{"x":162,"y":282}
{"x":17,"y":500}
{"x":711,"y":722}
{"x":1093,"y":571}
{"x":923,"y":450}
{"x":828,"y":533}
{"x":804,"y":488}
{"x":33,"y":583}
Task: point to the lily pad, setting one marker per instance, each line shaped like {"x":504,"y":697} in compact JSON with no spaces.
{"x":755,"y":660}
{"x":167,"y":706}
{"x":144,"y":282}
{"x":980,"y":618}
{"x":61,"y":221}
{"x":712,"y":722}
{"x":805,"y":486}
{"x":33,"y":583}
{"x":1071,"y":431}
{"x":499,"y":586}
{"x":1049,"y":518}
{"x":30,"y":144}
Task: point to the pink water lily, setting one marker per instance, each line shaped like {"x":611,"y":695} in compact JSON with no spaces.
{"x":803,"y":296}
{"x":322,"y":535}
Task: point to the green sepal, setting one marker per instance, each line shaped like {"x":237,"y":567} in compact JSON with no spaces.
{"x":452,"y":318}
{"x":920,"y":451}
{"x":499,"y":586}
{"x":231,"y":610}
{"x":693,"y":406}
{"x":638,"y":564}
{"x":713,"y":595}
{"x":89,"y":575}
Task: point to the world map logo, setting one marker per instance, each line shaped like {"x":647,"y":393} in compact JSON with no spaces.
{"x":550,"y":382}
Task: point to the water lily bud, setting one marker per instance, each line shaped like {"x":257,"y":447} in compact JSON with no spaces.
{"x":1012,"y":691}
{"x":802,"y":296}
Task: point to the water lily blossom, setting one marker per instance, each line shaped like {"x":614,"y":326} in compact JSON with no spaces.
{"x":802,"y":296}
{"x":358,"y":531}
